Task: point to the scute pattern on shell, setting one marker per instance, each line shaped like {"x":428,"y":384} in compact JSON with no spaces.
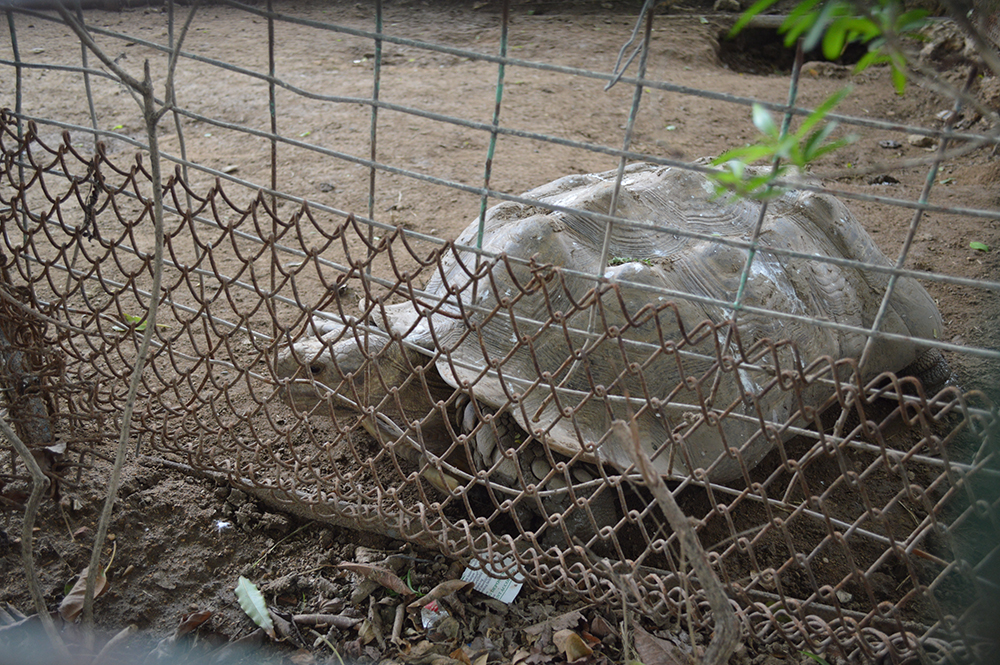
{"x":526,"y":347}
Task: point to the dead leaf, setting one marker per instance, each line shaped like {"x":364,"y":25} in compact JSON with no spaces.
{"x":446,"y":588}
{"x":460,"y":655}
{"x":446,"y":629}
{"x":303,"y":657}
{"x":380,"y":575}
{"x":655,"y":651}
{"x":422,"y":653}
{"x":189,"y":622}
{"x":601,"y":628}
{"x":72,"y":604}
{"x":572,"y":645}
{"x":570,"y":620}
{"x":519,"y":656}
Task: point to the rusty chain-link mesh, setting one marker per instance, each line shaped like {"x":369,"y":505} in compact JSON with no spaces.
{"x":870,"y":531}
{"x":865,"y":543}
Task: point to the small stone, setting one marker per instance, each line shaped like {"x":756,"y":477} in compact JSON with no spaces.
{"x":729,"y":6}
{"x":582,"y":475}
{"x":843,"y":596}
{"x":890,"y":144}
{"x":920,"y":141}
{"x":540,"y":468}
{"x":327,"y":187}
{"x":945,"y":116}
{"x":237,"y":497}
{"x":557,"y":482}
{"x":275,"y":522}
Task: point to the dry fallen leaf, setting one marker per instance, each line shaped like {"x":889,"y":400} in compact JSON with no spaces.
{"x":460,"y":655}
{"x":189,"y":622}
{"x":72,"y":604}
{"x":520,"y":656}
{"x":380,"y":575}
{"x":569,"y":620}
{"x":440,"y":591}
{"x":303,"y":657}
{"x":655,"y":651}
{"x":571,"y":645}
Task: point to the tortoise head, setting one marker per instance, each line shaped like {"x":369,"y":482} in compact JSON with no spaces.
{"x":338,"y":363}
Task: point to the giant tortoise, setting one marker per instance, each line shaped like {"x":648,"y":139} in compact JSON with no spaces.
{"x":544,"y":343}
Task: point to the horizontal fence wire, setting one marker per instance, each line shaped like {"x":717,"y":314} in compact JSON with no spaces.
{"x":462,"y":393}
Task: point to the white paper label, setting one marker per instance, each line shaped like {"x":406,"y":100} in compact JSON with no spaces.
{"x":492,"y":583}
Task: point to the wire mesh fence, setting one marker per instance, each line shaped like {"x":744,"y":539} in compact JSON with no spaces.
{"x":487,"y":396}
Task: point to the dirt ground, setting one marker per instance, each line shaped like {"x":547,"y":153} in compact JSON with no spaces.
{"x":181,"y":542}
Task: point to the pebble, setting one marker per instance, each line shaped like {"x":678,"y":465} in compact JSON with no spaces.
{"x":540,"y":468}
{"x":731,"y":6}
{"x":237,"y":497}
{"x":920,"y":141}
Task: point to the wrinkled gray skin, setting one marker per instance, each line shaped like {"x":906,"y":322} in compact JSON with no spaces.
{"x":675,"y":432}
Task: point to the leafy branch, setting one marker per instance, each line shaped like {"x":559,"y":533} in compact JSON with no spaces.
{"x":799,"y":149}
{"x":833,"y":25}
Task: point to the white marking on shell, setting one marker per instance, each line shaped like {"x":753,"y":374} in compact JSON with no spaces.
{"x":771,"y":270}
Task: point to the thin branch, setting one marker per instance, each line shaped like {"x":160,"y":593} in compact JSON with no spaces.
{"x":727,"y":630}
{"x":84,"y":35}
{"x":38,"y":486}
{"x":172,"y":64}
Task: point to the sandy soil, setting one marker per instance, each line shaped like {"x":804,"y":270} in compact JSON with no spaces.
{"x":182,"y":541}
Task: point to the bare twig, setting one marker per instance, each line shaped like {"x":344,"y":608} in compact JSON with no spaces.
{"x":151,"y":116}
{"x":38,"y":486}
{"x":727,"y":631}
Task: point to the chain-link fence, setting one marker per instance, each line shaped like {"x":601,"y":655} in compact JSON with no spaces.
{"x":490,"y":397}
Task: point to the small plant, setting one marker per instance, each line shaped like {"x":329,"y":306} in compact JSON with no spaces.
{"x":818,"y":659}
{"x":835,"y":24}
{"x":979,"y":246}
{"x":622,"y":260}
{"x":810,"y":142}
{"x":832,"y":24}
{"x":138,"y":321}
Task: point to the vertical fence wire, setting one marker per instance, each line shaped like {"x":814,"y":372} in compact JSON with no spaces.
{"x":498,"y":97}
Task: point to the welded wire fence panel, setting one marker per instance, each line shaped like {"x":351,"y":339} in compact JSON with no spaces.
{"x":468,"y":393}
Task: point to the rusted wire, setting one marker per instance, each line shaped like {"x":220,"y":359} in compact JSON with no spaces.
{"x":836,"y":546}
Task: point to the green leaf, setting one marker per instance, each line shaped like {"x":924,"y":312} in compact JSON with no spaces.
{"x":815,"y":141}
{"x":898,"y":79}
{"x":835,"y":41}
{"x":868,"y":59}
{"x":764,"y":122}
{"x":798,"y":21}
{"x":980,"y":246}
{"x":819,"y":26}
{"x":747,"y":16}
{"x":821,"y":111}
{"x":836,"y":145}
{"x":913,"y":20}
{"x":818,"y":659}
{"x":253,"y":604}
